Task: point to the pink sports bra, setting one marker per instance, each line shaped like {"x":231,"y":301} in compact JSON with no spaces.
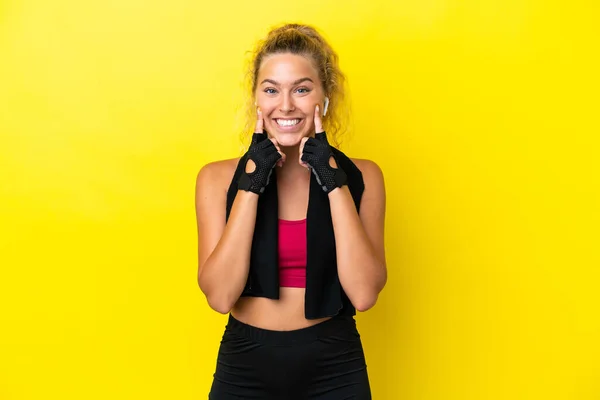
{"x":292,"y":253}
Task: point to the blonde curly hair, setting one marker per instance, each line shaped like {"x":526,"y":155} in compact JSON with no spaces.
{"x":302,"y":40}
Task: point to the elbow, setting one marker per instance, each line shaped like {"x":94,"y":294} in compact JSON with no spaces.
{"x":365,"y":303}
{"x":221,"y":307}
{"x":368,"y":298}
{"x":219,"y":303}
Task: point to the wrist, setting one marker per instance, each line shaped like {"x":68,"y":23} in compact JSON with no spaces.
{"x":247,"y":195}
{"x":338,"y":191}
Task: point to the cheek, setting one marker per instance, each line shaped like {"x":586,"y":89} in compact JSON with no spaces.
{"x":267,"y":105}
{"x":305,"y":104}
{"x":308,"y":103}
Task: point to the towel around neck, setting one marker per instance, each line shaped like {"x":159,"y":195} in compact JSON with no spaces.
{"x":324,"y":296}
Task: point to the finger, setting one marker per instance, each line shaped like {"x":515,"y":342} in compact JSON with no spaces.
{"x":311,"y":142}
{"x":274,"y":159}
{"x":308,"y":150}
{"x":283,"y":156}
{"x":259,"y":121}
{"x":278,"y":157}
{"x":322,"y":136}
{"x":318,"y":121}
{"x":305,"y":160}
{"x":274,"y":141}
{"x":302,"y":143}
{"x":301,"y":152}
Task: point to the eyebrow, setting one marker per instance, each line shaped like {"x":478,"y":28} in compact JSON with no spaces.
{"x":293,"y":83}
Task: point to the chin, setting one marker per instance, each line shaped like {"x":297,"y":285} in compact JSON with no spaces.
{"x":288,"y":140}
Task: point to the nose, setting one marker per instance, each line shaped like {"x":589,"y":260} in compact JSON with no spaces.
{"x":287,"y":104}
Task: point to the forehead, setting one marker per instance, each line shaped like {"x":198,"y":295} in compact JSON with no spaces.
{"x":286,"y":67}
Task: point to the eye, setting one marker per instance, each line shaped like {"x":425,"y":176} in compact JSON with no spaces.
{"x":303,"y":90}
{"x":270,"y":91}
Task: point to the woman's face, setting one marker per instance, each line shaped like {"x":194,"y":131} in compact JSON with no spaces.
{"x":287,"y":90}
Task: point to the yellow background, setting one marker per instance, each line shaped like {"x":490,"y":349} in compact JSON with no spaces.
{"x":482,"y":114}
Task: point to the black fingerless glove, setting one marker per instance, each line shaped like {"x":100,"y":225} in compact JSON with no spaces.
{"x":316,"y":155}
{"x":265,"y":156}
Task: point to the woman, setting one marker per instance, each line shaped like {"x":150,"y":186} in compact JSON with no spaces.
{"x":291,"y":235}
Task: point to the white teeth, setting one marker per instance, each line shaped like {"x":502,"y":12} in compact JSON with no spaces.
{"x":287,"y":122}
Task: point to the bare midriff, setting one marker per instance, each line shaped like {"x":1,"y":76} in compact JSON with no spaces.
{"x":284,"y":314}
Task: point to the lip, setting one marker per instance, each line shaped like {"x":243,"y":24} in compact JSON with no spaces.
{"x":292,"y":128}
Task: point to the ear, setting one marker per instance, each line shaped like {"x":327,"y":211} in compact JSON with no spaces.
{"x":325,"y":105}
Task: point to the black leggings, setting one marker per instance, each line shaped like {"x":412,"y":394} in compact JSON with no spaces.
{"x":324,"y":361}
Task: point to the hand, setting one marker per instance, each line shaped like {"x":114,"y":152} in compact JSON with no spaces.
{"x":316,"y":154}
{"x":262,"y":156}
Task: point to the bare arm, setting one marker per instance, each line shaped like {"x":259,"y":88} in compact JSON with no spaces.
{"x":360,"y":238}
{"x":223,"y":248}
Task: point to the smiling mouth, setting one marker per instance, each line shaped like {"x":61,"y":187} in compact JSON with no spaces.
{"x":287,"y":122}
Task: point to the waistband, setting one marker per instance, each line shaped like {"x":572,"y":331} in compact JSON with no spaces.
{"x":336,"y":326}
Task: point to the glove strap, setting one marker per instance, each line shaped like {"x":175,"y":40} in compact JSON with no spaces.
{"x":340,"y":178}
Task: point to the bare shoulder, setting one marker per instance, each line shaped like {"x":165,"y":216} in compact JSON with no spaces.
{"x":372,"y":173}
{"x":217,"y":173}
